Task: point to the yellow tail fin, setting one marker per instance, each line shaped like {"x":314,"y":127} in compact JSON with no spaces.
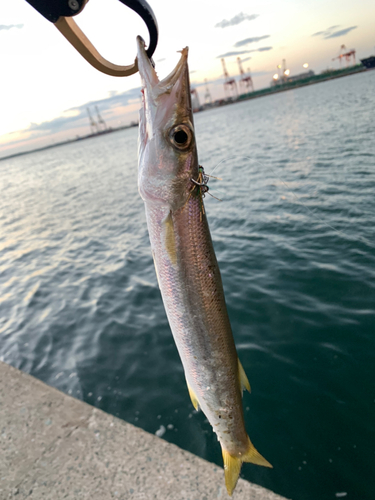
{"x":232,"y":465}
{"x":232,"y":469}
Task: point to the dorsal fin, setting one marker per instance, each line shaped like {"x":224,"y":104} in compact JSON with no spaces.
{"x":243,"y":379}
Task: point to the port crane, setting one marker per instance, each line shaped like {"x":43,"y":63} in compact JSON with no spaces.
{"x":246,"y":82}
{"x":100,"y":119}
{"x":93,"y":125}
{"x":347,"y":54}
{"x":230,"y":85}
{"x":207,"y":95}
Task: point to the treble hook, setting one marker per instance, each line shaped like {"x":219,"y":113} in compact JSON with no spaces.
{"x":60,"y":13}
{"x":202,"y":180}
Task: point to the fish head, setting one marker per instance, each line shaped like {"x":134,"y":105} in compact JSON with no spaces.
{"x":166,"y":147}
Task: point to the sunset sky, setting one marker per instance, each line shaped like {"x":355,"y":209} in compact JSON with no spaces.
{"x":46,"y":85}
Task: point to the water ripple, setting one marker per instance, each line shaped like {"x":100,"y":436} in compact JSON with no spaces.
{"x":294,"y":236}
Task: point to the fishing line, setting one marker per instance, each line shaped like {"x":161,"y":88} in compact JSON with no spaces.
{"x":283,"y":182}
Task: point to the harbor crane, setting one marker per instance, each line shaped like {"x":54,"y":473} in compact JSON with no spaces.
{"x":93,"y":125}
{"x":347,"y":54}
{"x":100,"y":119}
{"x":230,"y":85}
{"x":246,"y":82}
{"x":207,"y":95}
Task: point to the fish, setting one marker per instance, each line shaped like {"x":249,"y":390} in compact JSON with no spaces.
{"x":172,"y":185}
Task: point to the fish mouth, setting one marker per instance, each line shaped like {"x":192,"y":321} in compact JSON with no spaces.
{"x":149,"y":78}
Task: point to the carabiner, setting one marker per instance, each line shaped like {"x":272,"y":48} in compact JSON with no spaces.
{"x":60,"y":12}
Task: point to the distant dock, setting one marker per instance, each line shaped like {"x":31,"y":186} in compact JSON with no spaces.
{"x":69,"y":141}
{"x":281,"y":87}
{"x":303,"y":82}
{"x":55,"y":447}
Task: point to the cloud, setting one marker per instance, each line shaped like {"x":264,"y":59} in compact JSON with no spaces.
{"x":246,"y":59}
{"x":330,"y":33}
{"x":6,"y":27}
{"x":254,"y":39}
{"x":239,"y":18}
{"x":239,"y":52}
{"x":336,"y":34}
{"x":72,"y":116}
{"x":233,"y":53}
{"x":115,"y":100}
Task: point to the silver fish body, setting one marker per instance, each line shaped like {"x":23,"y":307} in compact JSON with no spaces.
{"x":185,"y":262}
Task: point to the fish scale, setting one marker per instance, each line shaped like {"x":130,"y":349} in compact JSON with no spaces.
{"x":194,"y":301}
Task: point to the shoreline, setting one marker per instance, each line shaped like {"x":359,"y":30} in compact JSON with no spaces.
{"x":323,"y":77}
{"x":56,"y":447}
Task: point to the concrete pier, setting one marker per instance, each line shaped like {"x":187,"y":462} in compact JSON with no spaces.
{"x":55,"y":447}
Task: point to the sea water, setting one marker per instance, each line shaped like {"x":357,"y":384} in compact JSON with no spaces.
{"x":295,"y":240}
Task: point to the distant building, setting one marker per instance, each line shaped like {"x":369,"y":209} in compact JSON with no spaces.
{"x":277,"y":80}
{"x":369,"y":62}
{"x":301,"y":76}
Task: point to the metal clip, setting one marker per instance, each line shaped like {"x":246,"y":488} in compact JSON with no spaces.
{"x":60,"y":13}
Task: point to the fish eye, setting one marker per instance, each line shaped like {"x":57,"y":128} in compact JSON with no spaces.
{"x":181,"y":137}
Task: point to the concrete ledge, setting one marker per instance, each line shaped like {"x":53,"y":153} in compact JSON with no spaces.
{"x":55,"y":447}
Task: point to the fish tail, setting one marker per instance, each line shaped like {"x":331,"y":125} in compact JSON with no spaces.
{"x":232,"y":465}
{"x":232,"y":469}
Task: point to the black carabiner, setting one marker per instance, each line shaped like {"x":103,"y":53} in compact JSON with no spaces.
{"x":60,"y":13}
{"x":142,"y":8}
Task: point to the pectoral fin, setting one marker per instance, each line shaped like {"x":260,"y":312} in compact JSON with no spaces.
{"x":170,"y":238}
{"x":243,"y":379}
{"x":193,"y":397}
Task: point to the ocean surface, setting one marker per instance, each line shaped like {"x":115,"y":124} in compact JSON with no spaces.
{"x":295,"y":239}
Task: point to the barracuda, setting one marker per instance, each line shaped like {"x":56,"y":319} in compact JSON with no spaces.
{"x":170,"y":183}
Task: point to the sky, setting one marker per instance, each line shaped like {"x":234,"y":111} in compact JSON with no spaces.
{"x":46,"y":86}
